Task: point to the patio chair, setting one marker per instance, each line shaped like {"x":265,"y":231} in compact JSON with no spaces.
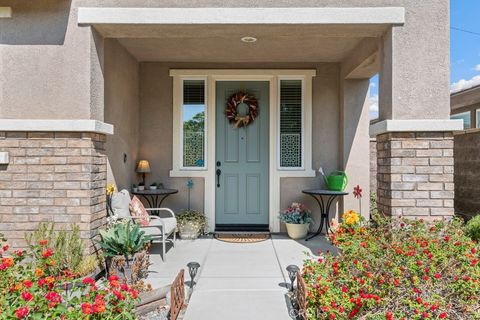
{"x":159,"y":228}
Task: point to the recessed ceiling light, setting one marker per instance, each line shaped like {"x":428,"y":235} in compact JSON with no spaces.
{"x":249,"y":39}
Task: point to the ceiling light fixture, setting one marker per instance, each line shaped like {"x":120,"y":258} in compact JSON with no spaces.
{"x":249,"y":39}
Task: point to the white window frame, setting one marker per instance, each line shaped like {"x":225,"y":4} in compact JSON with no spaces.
{"x":205,"y":152}
{"x":469,"y":113}
{"x":279,"y":155}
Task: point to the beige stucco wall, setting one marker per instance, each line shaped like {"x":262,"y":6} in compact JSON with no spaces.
{"x":122,"y":109}
{"x":50,"y":67}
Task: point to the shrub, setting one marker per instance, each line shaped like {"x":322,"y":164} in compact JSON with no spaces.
{"x":31,"y":289}
{"x":67,"y":246}
{"x":194,"y":218}
{"x":396,"y":270}
{"x":472,"y":228}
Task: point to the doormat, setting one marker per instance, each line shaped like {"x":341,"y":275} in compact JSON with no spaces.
{"x":242,"y":237}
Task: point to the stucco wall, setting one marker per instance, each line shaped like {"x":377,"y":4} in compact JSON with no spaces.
{"x":46,"y":65}
{"x":122,"y":109}
{"x":50,"y":67}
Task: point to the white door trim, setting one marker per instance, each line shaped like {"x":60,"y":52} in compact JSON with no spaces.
{"x":275,"y":174}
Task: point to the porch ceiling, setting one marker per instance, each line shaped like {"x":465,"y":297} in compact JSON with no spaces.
{"x":221,"y":43}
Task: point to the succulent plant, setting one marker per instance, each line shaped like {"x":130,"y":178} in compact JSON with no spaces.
{"x":123,"y":239}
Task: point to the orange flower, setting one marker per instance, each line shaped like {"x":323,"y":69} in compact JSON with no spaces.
{"x":7,"y":261}
{"x":50,"y":279}
{"x":18,"y":286}
{"x":43,"y":242}
{"x":51,"y":262}
{"x":39,"y":272}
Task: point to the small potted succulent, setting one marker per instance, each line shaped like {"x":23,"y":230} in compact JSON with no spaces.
{"x":191,"y":224}
{"x":141,"y":186}
{"x":153,"y":186}
{"x":297,"y":219}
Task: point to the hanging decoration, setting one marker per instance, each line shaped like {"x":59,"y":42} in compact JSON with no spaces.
{"x":233,"y":114}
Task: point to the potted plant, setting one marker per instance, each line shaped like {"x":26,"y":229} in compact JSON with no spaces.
{"x":120,"y":243}
{"x":141,"y":186}
{"x":153,"y":186}
{"x":191,"y":224}
{"x":297,"y":219}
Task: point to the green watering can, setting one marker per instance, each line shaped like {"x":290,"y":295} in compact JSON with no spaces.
{"x":336,"y":181}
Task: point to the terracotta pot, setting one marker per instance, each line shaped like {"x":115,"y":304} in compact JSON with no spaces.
{"x":297,"y":231}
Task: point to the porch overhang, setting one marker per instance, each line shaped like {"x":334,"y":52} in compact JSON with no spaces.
{"x":336,"y":16}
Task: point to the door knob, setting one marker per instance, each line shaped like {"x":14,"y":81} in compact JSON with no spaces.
{"x":218,"y":172}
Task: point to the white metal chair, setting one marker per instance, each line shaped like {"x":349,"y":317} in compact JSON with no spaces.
{"x":159,"y":228}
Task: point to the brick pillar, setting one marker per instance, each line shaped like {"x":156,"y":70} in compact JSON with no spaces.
{"x":415,"y":174}
{"x":52,"y":176}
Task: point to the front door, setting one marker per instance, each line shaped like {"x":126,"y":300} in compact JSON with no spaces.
{"x":242,"y":159}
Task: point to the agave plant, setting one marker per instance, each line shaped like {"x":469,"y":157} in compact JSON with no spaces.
{"x":123,"y":239}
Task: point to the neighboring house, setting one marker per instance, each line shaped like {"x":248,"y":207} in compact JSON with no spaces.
{"x":465,"y":105}
{"x":88,"y":88}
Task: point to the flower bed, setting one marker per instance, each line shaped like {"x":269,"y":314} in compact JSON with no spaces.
{"x":31,"y":289}
{"x":395,"y":270}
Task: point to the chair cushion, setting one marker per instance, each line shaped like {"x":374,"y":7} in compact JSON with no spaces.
{"x":120,"y":204}
{"x":170,"y":225}
{"x":138,"y":211}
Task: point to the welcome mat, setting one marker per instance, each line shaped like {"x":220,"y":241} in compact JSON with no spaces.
{"x":238,"y":237}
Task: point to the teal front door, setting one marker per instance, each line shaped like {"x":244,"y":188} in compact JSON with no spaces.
{"x":242,"y":159}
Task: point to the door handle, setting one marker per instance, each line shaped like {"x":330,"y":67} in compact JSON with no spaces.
{"x":218,"y":172}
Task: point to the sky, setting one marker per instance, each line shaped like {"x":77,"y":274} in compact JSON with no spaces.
{"x":464,"y":50}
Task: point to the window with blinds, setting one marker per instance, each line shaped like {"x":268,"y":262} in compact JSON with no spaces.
{"x":291,"y":110}
{"x":193,"y":118}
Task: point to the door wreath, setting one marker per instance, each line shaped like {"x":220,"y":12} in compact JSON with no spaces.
{"x":232,"y":112}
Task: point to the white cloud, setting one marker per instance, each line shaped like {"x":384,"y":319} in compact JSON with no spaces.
{"x":373,"y":84}
{"x":477,"y":67}
{"x":465,"y":84}
{"x":372,"y":102}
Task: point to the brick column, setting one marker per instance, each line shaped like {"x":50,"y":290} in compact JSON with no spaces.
{"x":52,"y":176}
{"x":415,"y":174}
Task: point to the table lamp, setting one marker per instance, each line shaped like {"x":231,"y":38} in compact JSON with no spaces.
{"x":143,"y":167}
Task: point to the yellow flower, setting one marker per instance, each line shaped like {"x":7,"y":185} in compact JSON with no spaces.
{"x":351,"y":217}
{"x":110,"y":189}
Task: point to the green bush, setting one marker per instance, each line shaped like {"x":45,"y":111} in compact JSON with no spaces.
{"x":67,"y":245}
{"x":396,"y":269}
{"x":472,"y":228}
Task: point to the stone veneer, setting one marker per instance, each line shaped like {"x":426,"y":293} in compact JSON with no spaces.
{"x":415,"y":174}
{"x":52,"y":176}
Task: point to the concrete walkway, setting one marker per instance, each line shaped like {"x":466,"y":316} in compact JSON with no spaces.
{"x":236,"y":281}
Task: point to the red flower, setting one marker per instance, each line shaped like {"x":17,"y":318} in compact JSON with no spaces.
{"x":119,"y":295}
{"x":113,"y":277}
{"x":43,"y":242}
{"x":389,"y":315}
{"x":5,"y":247}
{"x":21,"y":312}
{"x":27,"y":296}
{"x":47,"y":253}
{"x":344,"y":289}
{"x":87,"y":308}
{"x":447,"y":238}
{"x":438,"y":275}
{"x":443,"y":315}
{"x":473,"y":250}
{"x":27,"y":283}
{"x":89,"y":281}
{"x":53,"y":298}
{"x":134,"y":294}
{"x":19,"y":253}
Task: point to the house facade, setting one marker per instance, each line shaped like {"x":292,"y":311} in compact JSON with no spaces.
{"x":88,"y":88}
{"x":465,"y":106}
